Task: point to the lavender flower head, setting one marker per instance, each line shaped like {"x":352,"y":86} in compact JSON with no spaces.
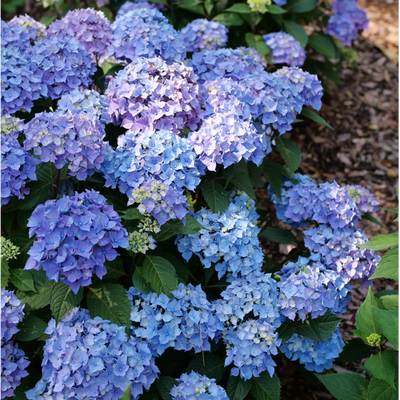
{"x":307,"y":286}
{"x":90,"y":359}
{"x":201,"y":34}
{"x":150,"y":94}
{"x":364,"y":199}
{"x":285,"y":49}
{"x":11,"y":315}
{"x":146,"y":33}
{"x":35,"y":29}
{"x":74,"y":237}
{"x":69,"y":139}
{"x":17,"y":165}
{"x":315,"y":356}
{"x":89,"y":27}
{"x":137,"y":5}
{"x":194,"y":385}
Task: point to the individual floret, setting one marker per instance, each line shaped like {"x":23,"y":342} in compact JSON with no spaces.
{"x":74,"y":237}
{"x":92,"y":359}
{"x":196,"y":386}
{"x":201,"y":34}
{"x":285,"y":49}
{"x":364,"y":199}
{"x":8,"y":249}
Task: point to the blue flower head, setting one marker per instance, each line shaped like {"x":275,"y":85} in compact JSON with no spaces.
{"x":364,"y":199}
{"x":35,"y":29}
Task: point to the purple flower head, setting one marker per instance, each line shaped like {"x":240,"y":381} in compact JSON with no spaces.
{"x":307,"y":286}
{"x":36,"y":30}
{"x":160,"y":201}
{"x":14,"y":34}
{"x":159,"y":155}
{"x":17,"y":165}
{"x":69,"y":139}
{"x":196,"y":386}
{"x":315,"y":356}
{"x":137,"y":5}
{"x":149,"y":94}
{"x":88,"y":27}
{"x":13,"y":365}
{"x":74,"y":237}
{"x":201,"y":34}
{"x":146,"y":33}
{"x":11,"y":314}
{"x":364,"y":199}
{"x":92,"y":359}
{"x":285,"y":49}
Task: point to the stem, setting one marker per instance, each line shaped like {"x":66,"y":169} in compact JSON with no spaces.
{"x":56,"y":183}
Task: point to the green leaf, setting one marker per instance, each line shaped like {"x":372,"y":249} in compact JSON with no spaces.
{"x":388,"y":322}
{"x":109,"y":301}
{"x":361,"y":334}
{"x":132,"y":213}
{"x":175,"y":226}
{"x":127,"y":394}
{"x":189,"y":4}
{"x":381,"y":242}
{"x":266,"y":388}
{"x":165,"y":2}
{"x":21,"y":239}
{"x":237,"y":389}
{"x":345,"y":386}
{"x":320,"y":328}
{"x":139,"y":282}
{"x":213,"y":366}
{"x":388,"y":266}
{"x":279,"y":235}
{"x":215,"y":196}
{"x":257,"y":42}
{"x":115,"y":270}
{"x":160,"y":274}
{"x":364,"y":317}
{"x":297,"y":31}
{"x":241,"y":8}
{"x":5,"y":272}
{"x":314,"y":116}
{"x":241,"y":179}
{"x":22,"y":280}
{"x":164,"y":385}
{"x":300,"y":6}
{"x":353,"y":350}
{"x":382,"y":366}
{"x":286,"y":331}
{"x":229,"y":19}
{"x":273,"y":174}
{"x":149,"y":396}
{"x":63,"y":300}
{"x":380,"y":390}
{"x":208,"y":6}
{"x":369,"y":217}
{"x":48,"y":19}
{"x":290,"y":153}
{"x":381,"y":293}
{"x":273,"y":9}
{"x":30,"y":328}
{"x":323,"y":44}
{"x":110,"y":68}
{"x":390,"y":302}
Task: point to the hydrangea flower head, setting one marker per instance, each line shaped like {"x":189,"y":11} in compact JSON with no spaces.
{"x":8,"y":249}
{"x":201,"y":34}
{"x":260,"y":6}
{"x":14,"y":34}
{"x":150,"y":94}
{"x":285,"y":49}
{"x":69,"y":139}
{"x":137,"y":5}
{"x":74,"y":237}
{"x":364,"y":199}
{"x":315,"y":356}
{"x":146,"y":33}
{"x":196,"y":386}
{"x":11,"y":314}
{"x":35,"y":29}
{"x":92,"y":359}
{"x":140,"y":242}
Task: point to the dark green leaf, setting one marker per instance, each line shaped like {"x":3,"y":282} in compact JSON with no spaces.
{"x":369,"y":217}
{"x":266,"y":388}
{"x":208,"y":6}
{"x":149,"y":396}
{"x":273,"y":9}
{"x":48,"y":19}
{"x":22,"y":280}
{"x":132,"y":213}
{"x":229,"y":19}
{"x":380,"y":390}
{"x":215,"y":196}
{"x":255,"y":175}
{"x":30,"y":328}
{"x":279,"y":235}
{"x":320,"y":328}
{"x":382,"y":366}
{"x":175,"y":226}
{"x":273,"y":174}
{"x":323,"y":44}
{"x":115,"y":270}
{"x":160,"y":274}
{"x":286,"y":331}
{"x":354,"y":350}
{"x":315,"y":117}
{"x":301,"y":6}
{"x":111,"y":68}
{"x":290,"y":153}
{"x":364,"y":317}
{"x":345,"y":386}
{"x":213,"y":366}
{"x":237,"y":389}
{"x":164,"y":385}
{"x":257,"y":42}
{"x":165,"y":2}
{"x":381,"y":293}
{"x":388,"y":322}
{"x":381,"y":242}
{"x":388,"y":266}
{"x":241,"y":179}
{"x":64,"y":300}
{"x":241,"y":8}
{"x":139,"y":282}
{"x":297,"y":31}
{"x":5,"y":272}
{"x":109,"y":301}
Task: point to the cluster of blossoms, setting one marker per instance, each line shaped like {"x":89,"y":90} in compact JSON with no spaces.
{"x":17,"y":165}
{"x":184,"y":322}
{"x":150,"y":94}
{"x":347,"y":21}
{"x":75,"y":235}
{"x":285,"y":49}
{"x":229,"y":239}
{"x":196,"y":386}
{"x":261,"y":6}
{"x":202,"y":34}
{"x":136,"y":5}
{"x":146,"y":33}
{"x":363,"y":198}
{"x":88,"y":358}
{"x":13,"y":360}
{"x":8,"y":249}
{"x":140,"y":242}
{"x":36,"y":30}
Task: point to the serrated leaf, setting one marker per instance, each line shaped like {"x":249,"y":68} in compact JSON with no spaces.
{"x":274,"y":9}
{"x":320,"y":328}
{"x":241,"y":179}
{"x":239,"y":8}
{"x":109,"y":301}
{"x":266,"y":388}
{"x":345,"y":386}
{"x":175,"y":226}
{"x":364,"y":317}
{"x":22,"y":280}
{"x":297,"y":31}
{"x":257,"y":42}
{"x":215,"y":196}
{"x":380,"y":390}
{"x":229,"y":19}
{"x":115,"y":270}
{"x":286,"y":331}
{"x":314,"y":117}
{"x":160,"y":274}
{"x":273,"y":174}
{"x":381,"y":293}
{"x":164,"y":385}
{"x":237,"y":389}
{"x":323,"y":44}
{"x":5,"y":272}
{"x":388,"y":322}
{"x":290,"y":152}
{"x":300,"y":6}
{"x":132,"y":213}
{"x":353,"y":350}
{"x":382,"y":366}
{"x":63,"y":300}
{"x":279,"y":235}
{"x":213,"y":366}
{"x":208,"y":6}
{"x":381,"y":242}
{"x":30,"y":328}
{"x":388,"y":266}
{"x":139,"y":282}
